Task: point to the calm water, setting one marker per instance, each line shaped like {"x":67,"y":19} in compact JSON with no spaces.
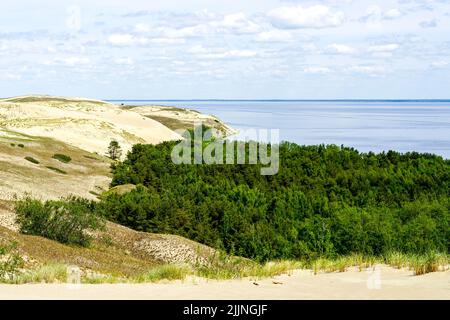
{"x":366,"y":125}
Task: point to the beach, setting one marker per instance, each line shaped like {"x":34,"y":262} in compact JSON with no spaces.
{"x":379,"y":282}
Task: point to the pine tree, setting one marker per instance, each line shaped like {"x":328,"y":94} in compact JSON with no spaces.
{"x":114,"y":150}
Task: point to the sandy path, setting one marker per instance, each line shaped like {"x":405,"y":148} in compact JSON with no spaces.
{"x":383,"y":283}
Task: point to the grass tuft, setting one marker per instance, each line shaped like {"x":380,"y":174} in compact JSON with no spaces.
{"x":165,"y":272}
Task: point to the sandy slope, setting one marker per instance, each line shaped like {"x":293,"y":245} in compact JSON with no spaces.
{"x":86,"y":124}
{"x":386,"y":283}
{"x":177,"y":118}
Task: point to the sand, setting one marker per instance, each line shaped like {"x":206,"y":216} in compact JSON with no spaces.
{"x":87,"y":124}
{"x":383,"y":282}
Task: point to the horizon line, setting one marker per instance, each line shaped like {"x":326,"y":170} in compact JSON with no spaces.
{"x":344,"y":100}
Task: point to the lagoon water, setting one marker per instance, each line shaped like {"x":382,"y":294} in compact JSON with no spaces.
{"x":400,"y":125}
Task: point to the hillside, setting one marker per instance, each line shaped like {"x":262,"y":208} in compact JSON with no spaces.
{"x":87,"y":124}
{"x":37,"y":127}
{"x":181,"y":118}
{"x":53,"y":147}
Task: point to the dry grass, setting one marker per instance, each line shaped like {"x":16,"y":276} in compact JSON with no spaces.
{"x":19,"y":175}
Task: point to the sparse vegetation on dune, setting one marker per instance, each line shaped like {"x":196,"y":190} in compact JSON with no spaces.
{"x":62,"y":157}
{"x":61,"y":171}
{"x":32,"y":160}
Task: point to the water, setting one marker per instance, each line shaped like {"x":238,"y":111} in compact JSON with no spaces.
{"x":400,"y":125}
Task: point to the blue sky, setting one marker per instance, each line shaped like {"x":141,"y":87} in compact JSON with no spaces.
{"x":335,"y":49}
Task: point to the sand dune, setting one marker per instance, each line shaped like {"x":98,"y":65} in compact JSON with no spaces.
{"x":86,"y":124}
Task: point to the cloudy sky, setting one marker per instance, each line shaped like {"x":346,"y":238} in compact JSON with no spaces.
{"x":233,"y":49}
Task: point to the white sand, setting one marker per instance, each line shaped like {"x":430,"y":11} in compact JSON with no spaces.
{"x":86,"y":124}
{"x":384,"y":283}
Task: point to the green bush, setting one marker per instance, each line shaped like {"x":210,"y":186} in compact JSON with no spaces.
{"x":65,"y":220}
{"x":32,"y":160}
{"x":21,"y":145}
{"x":62,"y":157}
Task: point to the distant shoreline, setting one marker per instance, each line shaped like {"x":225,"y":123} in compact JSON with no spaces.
{"x":285,"y":100}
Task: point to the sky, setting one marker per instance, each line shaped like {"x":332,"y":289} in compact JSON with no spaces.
{"x":233,"y":49}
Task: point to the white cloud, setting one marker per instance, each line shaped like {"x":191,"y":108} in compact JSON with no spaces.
{"x":440,"y":64}
{"x":368,"y":70}
{"x":206,"y":53}
{"x":69,"y":61}
{"x":317,"y":16}
{"x":126,"y":39}
{"x":275,"y":35}
{"x":341,"y":49}
{"x":375,"y":14}
{"x":142,"y":27}
{"x":124,"y":61}
{"x":384,"y":50}
{"x":317,"y":70}
{"x":392,"y":14}
{"x":237,"y":23}
{"x":122,"y":39}
{"x":10,"y":76}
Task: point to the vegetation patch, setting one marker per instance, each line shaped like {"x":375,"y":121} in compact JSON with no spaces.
{"x":21,"y":145}
{"x":56,"y":170}
{"x":10,"y":261}
{"x":67,"y":220}
{"x":62,"y":157}
{"x":32,"y":160}
{"x":325,"y":202}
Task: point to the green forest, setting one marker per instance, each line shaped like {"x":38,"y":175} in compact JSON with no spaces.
{"x":325,"y":201}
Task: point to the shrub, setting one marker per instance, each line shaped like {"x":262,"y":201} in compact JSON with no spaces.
{"x":66,"y":220}
{"x":32,"y":160}
{"x":12,"y":144}
{"x":20,"y":145}
{"x":10,"y":261}
{"x":62,"y":157}
{"x":56,"y":170}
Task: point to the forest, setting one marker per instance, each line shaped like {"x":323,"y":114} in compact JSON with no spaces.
{"x":325,"y":201}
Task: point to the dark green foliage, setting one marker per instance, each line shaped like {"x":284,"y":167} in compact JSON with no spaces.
{"x":65,"y":220}
{"x":31,"y":159}
{"x":114,"y":150}
{"x":21,"y":145}
{"x":56,"y":170}
{"x":325,"y":201}
{"x":62,"y":157}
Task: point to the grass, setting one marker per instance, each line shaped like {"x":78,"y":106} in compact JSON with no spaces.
{"x":419,"y":263}
{"x":49,"y":273}
{"x":56,"y":170}
{"x":233,"y":268}
{"x":164,"y":272}
{"x":32,"y":160}
{"x":62,"y":157}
